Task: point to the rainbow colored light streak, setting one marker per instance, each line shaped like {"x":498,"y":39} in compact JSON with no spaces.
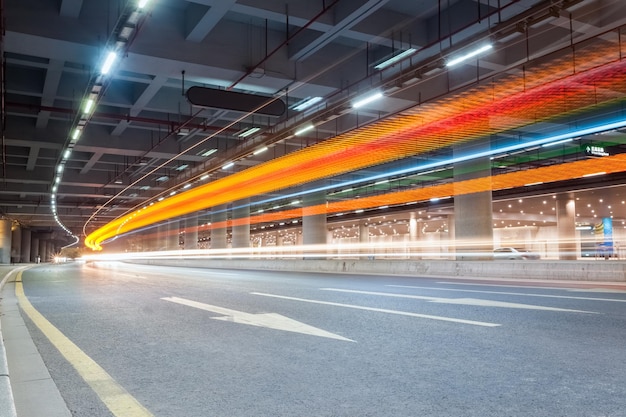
{"x":507,"y":104}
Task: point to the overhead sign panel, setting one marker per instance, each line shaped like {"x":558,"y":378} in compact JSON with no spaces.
{"x":232,"y":100}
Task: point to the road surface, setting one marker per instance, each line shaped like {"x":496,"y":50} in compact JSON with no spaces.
{"x":134,"y":340}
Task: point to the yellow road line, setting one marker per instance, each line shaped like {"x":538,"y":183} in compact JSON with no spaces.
{"x":113,"y":395}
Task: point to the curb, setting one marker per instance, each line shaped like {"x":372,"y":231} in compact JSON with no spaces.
{"x":6,"y":393}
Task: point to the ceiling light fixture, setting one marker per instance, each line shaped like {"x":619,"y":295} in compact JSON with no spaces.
{"x":304,"y":129}
{"x":469,"y":55}
{"x":247,"y":132}
{"x":306,"y":103}
{"x":260,"y":150}
{"x":88,"y":106}
{"x":76,"y":134}
{"x":228,"y":165}
{"x":388,"y":62}
{"x":108,"y":63}
{"x":367,"y":100}
{"x":142,"y":4}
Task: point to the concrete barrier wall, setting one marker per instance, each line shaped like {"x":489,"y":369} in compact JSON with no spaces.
{"x":612,"y":271}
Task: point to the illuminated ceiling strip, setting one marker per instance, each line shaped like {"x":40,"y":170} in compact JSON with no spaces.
{"x":367,"y":100}
{"x":395,"y":59}
{"x":469,"y":55}
{"x":307,"y":103}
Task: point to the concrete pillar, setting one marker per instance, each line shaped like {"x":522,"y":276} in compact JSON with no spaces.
{"x":241,"y":232}
{"x":219,"y":235}
{"x":173,"y":235}
{"x":314,"y":224}
{"x":161,"y":237}
{"x":16,"y":243}
{"x":34,"y":249}
{"x":413,"y":227}
{"x":364,"y":232}
{"x":43,"y":249}
{"x":25,"y":253}
{"x":473,"y":213}
{"x":191,"y":233}
{"x":5,"y":241}
{"x":566,"y":226}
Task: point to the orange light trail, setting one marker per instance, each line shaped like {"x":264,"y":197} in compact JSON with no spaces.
{"x":481,"y":111}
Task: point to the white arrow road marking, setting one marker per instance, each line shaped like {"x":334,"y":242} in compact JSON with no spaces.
{"x":269,"y":320}
{"x":462,"y":301}
{"x":381,"y":310}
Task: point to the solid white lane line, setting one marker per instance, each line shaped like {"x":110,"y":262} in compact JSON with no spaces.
{"x":381,"y":310}
{"x":569,"y":297}
{"x":268,"y":320}
{"x":461,"y":301}
{"x":607,"y":290}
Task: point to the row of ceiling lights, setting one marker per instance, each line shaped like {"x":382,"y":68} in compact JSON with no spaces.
{"x":95,"y":90}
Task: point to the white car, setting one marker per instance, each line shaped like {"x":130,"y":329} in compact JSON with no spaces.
{"x":513,"y":253}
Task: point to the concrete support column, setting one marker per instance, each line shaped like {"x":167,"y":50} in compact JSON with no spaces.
{"x":16,"y":243}
{"x":161,"y":237}
{"x":191,"y":233}
{"x":26,"y":246}
{"x":5,"y":241}
{"x":473,"y":213}
{"x":241,"y":224}
{"x":219,"y":234}
{"x":413,"y":229}
{"x":34,"y":249}
{"x":43,"y":249}
{"x":566,"y":226}
{"x":173,"y":235}
{"x":364,"y":232}
{"x":313,"y":222}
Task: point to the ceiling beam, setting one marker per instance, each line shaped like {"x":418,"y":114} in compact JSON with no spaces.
{"x":208,"y":21}
{"x":50,"y":88}
{"x":339,"y":29}
{"x":71,"y":8}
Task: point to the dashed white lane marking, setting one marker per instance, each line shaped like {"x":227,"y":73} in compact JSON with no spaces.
{"x":569,"y":297}
{"x":381,"y":310}
{"x":461,"y":301}
{"x":269,"y":320}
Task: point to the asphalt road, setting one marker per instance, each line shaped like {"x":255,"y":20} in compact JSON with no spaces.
{"x":197,"y":343}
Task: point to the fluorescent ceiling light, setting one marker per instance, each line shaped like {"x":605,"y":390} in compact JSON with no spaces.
{"x":260,"y":150}
{"x":247,"y":132}
{"x":395,"y":59}
{"x":60,"y":168}
{"x":108,"y":63}
{"x":208,"y":152}
{"x":187,"y":185}
{"x":163,"y":178}
{"x":469,"y":55}
{"x":142,"y":4}
{"x":308,"y":102}
{"x":304,"y":130}
{"x":204,"y":177}
{"x":367,"y":100}
{"x":89,"y":106}
{"x":181,"y":167}
{"x":76,"y":134}
{"x":228,"y":165}
{"x":67,"y":153}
